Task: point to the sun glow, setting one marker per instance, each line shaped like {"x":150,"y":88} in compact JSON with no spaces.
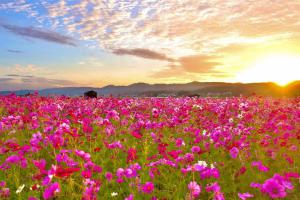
{"x":281,"y":69}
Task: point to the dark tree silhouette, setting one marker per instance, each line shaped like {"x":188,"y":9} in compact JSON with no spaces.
{"x":90,"y":94}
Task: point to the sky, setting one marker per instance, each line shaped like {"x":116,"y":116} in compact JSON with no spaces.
{"x":62,"y":43}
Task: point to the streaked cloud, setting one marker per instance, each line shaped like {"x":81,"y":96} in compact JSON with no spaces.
{"x":143,"y":53}
{"x":14,"y":51}
{"x":41,"y":34}
{"x":17,"y":75}
{"x":26,"y":71}
{"x":16,"y":82}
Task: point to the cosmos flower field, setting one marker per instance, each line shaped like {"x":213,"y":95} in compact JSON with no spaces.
{"x":149,"y":148}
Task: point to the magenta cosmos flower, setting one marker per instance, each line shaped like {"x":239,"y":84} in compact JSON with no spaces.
{"x":51,"y":190}
{"x":108,"y":176}
{"x":245,"y":196}
{"x":148,"y":187}
{"x":194,"y":188}
{"x":195,"y":149}
{"x":130,"y":197}
{"x":234,"y":152}
{"x":276,"y":186}
{"x":260,"y":166}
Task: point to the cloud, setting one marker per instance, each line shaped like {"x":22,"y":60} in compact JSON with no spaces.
{"x":16,"y":75}
{"x":41,"y":34}
{"x":191,"y":25}
{"x":18,"y":71}
{"x":14,"y":51}
{"x":3,"y":80}
{"x":19,"y":6}
{"x":199,"y":63}
{"x":172,"y":30}
{"x":18,"y":82}
{"x":190,"y":66}
{"x":25,"y":69}
{"x":143,"y":53}
{"x":169,"y":71}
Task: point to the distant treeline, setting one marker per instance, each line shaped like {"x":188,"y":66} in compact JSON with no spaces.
{"x":203,"y":89}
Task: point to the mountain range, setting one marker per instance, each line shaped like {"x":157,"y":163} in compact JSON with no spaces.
{"x":185,"y":89}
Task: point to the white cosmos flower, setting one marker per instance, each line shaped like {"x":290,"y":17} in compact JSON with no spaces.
{"x":197,"y":106}
{"x":202,"y":163}
{"x":113,"y":194}
{"x":19,"y":190}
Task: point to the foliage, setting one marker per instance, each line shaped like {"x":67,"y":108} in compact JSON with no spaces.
{"x":149,"y":148}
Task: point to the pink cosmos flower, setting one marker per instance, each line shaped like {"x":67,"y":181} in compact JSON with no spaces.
{"x":136,"y":134}
{"x":179,"y":142}
{"x":273,"y":188}
{"x":276,"y":186}
{"x":32,"y":198}
{"x":40,"y":164}
{"x":51,"y":190}
{"x":148,"y":187}
{"x":115,"y":145}
{"x":245,"y":196}
{"x":129,"y":173}
{"x":234,"y":152}
{"x":194,"y":188}
{"x":174,"y":153}
{"x":214,"y":187}
{"x":241,"y":171}
{"x":108,"y":176}
{"x":154,"y":172}
{"x":91,"y":189}
{"x":120,"y":172}
{"x":131,"y":155}
{"x":4,"y":192}
{"x":84,"y":155}
{"x":130,"y":197}
{"x":260,"y":166}
{"x":255,"y":185}
{"x":218,"y":195}
{"x":13,"y":159}
{"x":210,"y":172}
{"x":189,"y":157}
{"x":86,"y":174}
{"x":61,"y":172}
{"x":291,"y":175}
{"x":155,"y":112}
{"x":2,"y":184}
{"x":195,"y":149}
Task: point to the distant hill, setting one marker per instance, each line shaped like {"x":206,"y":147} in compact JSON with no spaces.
{"x":186,"y":89}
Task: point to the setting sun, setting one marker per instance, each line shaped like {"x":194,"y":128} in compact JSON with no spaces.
{"x":281,"y":69}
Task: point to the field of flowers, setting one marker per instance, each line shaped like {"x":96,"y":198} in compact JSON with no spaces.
{"x":149,"y":148}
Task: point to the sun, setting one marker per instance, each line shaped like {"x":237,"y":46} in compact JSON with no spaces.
{"x":280,"y":69}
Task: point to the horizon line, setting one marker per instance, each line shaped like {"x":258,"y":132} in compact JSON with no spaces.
{"x":112,"y":85}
